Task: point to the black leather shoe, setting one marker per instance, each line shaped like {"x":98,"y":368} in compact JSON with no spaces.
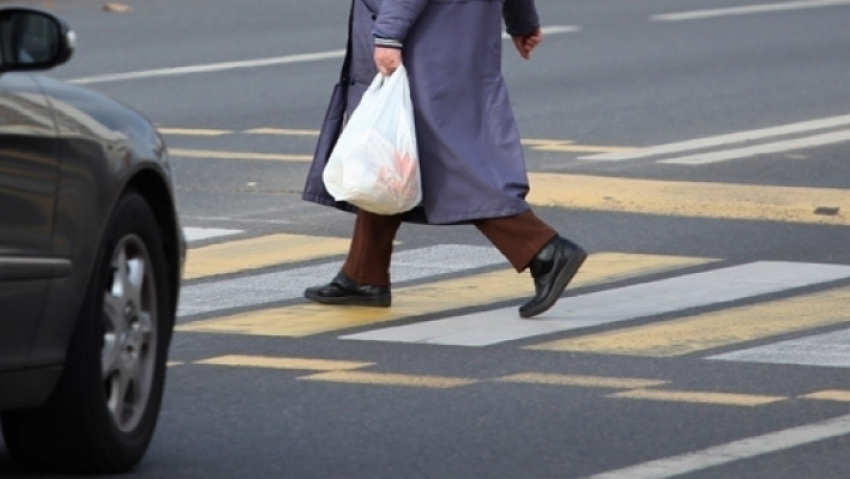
{"x":344,"y":290}
{"x":552,"y":269}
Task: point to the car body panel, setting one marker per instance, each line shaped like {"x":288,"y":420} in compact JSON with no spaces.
{"x":29,"y":174}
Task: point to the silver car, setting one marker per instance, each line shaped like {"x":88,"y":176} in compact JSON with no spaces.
{"x":91,"y":255}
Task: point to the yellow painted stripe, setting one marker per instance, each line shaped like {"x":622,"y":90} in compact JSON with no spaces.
{"x":263,"y":251}
{"x":483,"y":289}
{"x":282,"y":131}
{"x":830,"y":395}
{"x":702,"y":200}
{"x":698,"y":397}
{"x":716,"y":329}
{"x":581,"y":381}
{"x":236,"y":155}
{"x":193,"y":132}
{"x":284,"y":363}
{"x":382,"y":379}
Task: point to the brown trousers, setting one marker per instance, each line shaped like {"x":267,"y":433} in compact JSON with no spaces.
{"x":518,"y":237}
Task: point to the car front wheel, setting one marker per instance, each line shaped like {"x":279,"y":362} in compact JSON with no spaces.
{"x":102,"y":415}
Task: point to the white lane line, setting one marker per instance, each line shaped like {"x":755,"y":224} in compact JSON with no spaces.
{"x":211,"y":67}
{"x":616,"y":305}
{"x":197,"y":234}
{"x":747,"y":10}
{"x":286,"y":285}
{"x":721,"y":140}
{"x":824,"y":350}
{"x":260,"y":62}
{"x":552,"y":30}
{"x":235,"y":155}
{"x":777,"y":147}
{"x":733,"y":451}
{"x":194,"y":131}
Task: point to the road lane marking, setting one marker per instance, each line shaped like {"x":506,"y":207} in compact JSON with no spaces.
{"x":732,"y":451}
{"x":494,"y":326}
{"x":568,"y":146}
{"x":777,"y":147}
{"x":257,"y":289}
{"x":747,"y":10}
{"x":837,"y":395}
{"x":615,"y":305}
{"x":823,"y":350}
{"x":715,"y":329}
{"x":210,"y":67}
{"x":690,"y":199}
{"x":193,"y":132}
{"x":282,"y":132}
{"x":259,"y":252}
{"x":343,"y":371}
{"x":256,"y":63}
{"x":552,"y":30}
{"x":602,"y":382}
{"x":385,"y":379}
{"x":727,"y":139}
{"x":310,"y":318}
{"x":267,"y":362}
{"x":236,"y":155}
{"x":198,"y":234}
{"x":698,"y":397}
{"x":471,"y":291}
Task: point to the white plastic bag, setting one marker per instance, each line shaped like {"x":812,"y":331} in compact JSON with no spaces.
{"x":375,"y":163}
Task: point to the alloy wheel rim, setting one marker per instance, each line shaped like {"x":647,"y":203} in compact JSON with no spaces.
{"x":130,"y":333}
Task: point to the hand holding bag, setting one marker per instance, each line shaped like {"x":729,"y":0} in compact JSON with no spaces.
{"x":375,"y":163}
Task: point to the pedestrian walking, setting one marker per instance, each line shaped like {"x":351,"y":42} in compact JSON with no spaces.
{"x":471,"y":160}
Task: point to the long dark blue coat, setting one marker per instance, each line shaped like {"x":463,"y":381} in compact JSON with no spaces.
{"x":472,"y":162}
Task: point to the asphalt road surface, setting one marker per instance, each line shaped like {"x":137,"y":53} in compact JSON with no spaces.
{"x":699,"y":149}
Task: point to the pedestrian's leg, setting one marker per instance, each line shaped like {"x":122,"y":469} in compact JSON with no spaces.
{"x":365,"y":276}
{"x":368,"y":260}
{"x":528,"y":242}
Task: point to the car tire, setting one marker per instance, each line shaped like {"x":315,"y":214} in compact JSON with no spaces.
{"x":103,"y":412}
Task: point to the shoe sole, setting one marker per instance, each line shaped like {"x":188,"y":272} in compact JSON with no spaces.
{"x":561,"y":282}
{"x":378,"y":301}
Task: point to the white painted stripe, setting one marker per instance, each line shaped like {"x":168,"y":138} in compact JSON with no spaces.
{"x":235,"y":155}
{"x":777,"y":147}
{"x":747,"y":10}
{"x":207,"y":132}
{"x":721,"y":140}
{"x":621,"y":304}
{"x":197,"y":234}
{"x":290,"y":284}
{"x":733,"y":451}
{"x":824,"y":350}
{"x":256,"y":63}
{"x":552,"y":30}
{"x":210,"y":67}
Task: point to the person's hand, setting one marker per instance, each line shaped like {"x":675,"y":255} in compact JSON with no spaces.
{"x":525,"y":45}
{"x":387,"y":60}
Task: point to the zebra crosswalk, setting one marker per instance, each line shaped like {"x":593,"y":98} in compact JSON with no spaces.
{"x":739,"y":145}
{"x":624,"y":304}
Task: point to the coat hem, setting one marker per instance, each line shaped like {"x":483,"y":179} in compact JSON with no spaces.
{"x":418,"y":215}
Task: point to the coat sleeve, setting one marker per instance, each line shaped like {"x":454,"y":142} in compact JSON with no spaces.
{"x":397,"y":17}
{"x":520,"y":17}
